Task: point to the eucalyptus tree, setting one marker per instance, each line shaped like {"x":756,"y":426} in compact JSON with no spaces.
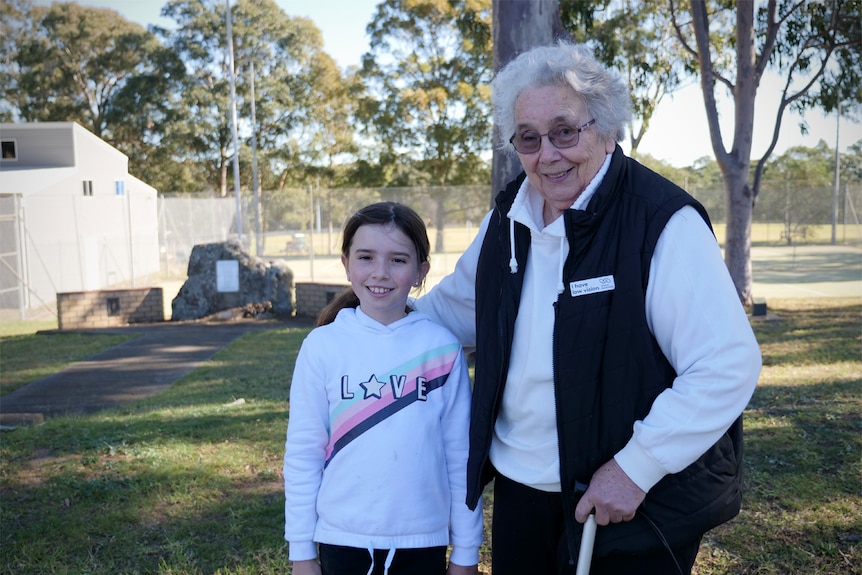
{"x":297,"y":89}
{"x":814,"y":46}
{"x":851,"y":165}
{"x":199,"y":39}
{"x":637,"y":39}
{"x":427,"y":74}
{"x":76,"y":63}
{"x":303,"y":101}
{"x":16,"y":29}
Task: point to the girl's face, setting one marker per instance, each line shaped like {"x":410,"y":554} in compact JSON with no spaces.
{"x":383,"y":267}
{"x":559,"y":174}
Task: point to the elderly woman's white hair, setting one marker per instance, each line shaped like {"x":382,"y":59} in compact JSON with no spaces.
{"x":568,"y":65}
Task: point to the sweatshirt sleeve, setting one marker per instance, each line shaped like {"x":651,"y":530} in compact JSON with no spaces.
{"x":466,"y":527}
{"x":695,"y":315}
{"x":307,"y":435}
{"x":452,"y":302}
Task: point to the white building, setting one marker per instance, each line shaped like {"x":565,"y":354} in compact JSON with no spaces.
{"x":72,"y":218}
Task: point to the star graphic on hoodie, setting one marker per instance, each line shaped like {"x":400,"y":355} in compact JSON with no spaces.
{"x":372,"y":387}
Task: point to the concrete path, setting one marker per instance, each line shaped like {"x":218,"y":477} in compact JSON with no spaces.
{"x":131,"y":371}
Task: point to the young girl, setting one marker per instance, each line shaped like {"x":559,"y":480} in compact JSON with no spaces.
{"x":376,"y":452}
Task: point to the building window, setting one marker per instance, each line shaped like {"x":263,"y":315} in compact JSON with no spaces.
{"x":88,"y":188}
{"x":9,"y":149}
{"x":120,"y":188}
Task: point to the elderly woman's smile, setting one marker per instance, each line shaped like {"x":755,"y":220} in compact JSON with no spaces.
{"x":559,"y":174}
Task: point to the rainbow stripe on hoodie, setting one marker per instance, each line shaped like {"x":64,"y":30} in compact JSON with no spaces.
{"x":379,"y":396}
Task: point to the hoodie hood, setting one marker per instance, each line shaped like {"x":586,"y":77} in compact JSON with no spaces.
{"x":359,"y":320}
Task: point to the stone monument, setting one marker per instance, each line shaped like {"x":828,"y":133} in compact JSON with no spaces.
{"x":222,"y":277}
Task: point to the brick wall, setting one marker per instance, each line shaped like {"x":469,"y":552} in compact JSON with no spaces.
{"x":109,"y":308}
{"x":313,"y":297}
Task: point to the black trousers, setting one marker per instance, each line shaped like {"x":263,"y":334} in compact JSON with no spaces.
{"x":528,"y":536}
{"x":339,"y":560}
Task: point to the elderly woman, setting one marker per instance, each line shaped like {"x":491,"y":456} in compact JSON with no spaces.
{"x":613,"y":356}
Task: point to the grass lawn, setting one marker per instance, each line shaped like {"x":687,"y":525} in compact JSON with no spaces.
{"x":189,"y":482}
{"x":24,"y":358}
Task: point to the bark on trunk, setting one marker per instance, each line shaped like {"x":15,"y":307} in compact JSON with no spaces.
{"x":518,"y":26}
{"x":737,"y":244}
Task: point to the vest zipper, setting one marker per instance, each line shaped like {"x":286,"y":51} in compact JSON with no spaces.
{"x":568,"y":501}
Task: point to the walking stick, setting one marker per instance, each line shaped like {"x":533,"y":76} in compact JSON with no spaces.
{"x":588,"y":540}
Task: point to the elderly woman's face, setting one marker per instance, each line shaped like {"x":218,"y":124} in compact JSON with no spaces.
{"x":558,"y":174}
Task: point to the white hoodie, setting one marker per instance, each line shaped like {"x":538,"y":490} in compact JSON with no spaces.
{"x":376,"y":449}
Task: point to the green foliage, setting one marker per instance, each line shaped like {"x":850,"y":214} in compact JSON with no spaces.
{"x":815,"y":165}
{"x":76,"y":62}
{"x":302,"y":103}
{"x":814,"y":33}
{"x":15,"y":29}
{"x":635,"y":38}
{"x":416,"y":113}
{"x":90,"y":65}
{"x":427,"y":77}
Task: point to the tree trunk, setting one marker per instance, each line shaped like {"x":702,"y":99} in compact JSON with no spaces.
{"x":740,"y":201}
{"x":518,"y":26}
{"x":734,"y":164}
{"x":737,"y":241}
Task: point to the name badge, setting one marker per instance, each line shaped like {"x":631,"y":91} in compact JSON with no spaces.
{"x":592,"y":285}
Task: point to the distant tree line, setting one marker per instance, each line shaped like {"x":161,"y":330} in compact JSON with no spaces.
{"x":416,"y":112}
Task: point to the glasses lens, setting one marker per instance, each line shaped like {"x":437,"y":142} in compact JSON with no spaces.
{"x":527,"y":142}
{"x":564,"y":136}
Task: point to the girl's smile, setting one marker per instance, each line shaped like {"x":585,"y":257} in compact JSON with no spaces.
{"x":382,"y":267}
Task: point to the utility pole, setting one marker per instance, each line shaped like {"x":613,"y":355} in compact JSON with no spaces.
{"x":233,"y":125}
{"x":255,"y":180}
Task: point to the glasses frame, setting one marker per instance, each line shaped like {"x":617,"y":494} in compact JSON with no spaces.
{"x":577,"y":130}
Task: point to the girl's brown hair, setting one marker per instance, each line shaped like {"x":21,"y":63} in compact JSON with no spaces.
{"x":382,"y":213}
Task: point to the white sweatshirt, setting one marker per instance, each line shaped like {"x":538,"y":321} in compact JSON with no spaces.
{"x":376,"y":449}
{"x":716,"y":356}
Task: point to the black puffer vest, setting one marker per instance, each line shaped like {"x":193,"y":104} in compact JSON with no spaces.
{"x":608,"y":367}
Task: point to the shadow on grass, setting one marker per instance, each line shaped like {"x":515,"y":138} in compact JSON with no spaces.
{"x":811,"y":334}
{"x":142,"y":520}
{"x":802,"y":442}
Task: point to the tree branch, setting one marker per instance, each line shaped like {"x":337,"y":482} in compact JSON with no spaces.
{"x":700,"y":22}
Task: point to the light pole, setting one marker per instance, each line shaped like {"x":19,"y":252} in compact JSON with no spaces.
{"x":233,"y":126}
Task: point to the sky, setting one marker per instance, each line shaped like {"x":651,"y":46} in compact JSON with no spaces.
{"x":678,"y":132}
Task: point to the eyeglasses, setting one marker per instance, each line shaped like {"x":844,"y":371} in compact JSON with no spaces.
{"x":563,"y":136}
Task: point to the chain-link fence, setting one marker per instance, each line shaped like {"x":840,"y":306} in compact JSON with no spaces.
{"x":296,"y":223}
{"x":791,"y":212}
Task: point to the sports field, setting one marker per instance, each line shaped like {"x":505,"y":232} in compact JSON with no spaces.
{"x":779,"y":272}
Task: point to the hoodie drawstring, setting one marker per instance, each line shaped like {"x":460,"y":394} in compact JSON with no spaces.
{"x":561,"y":287}
{"x":513,"y":261}
{"x":386,"y":565}
{"x":371,"y":552}
{"x":389,"y":557}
